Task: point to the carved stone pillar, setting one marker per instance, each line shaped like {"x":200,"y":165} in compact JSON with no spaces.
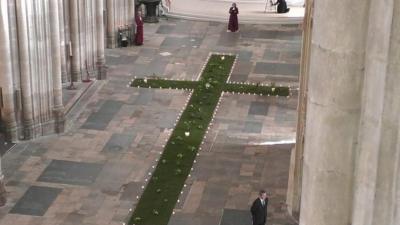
{"x":56,"y":68}
{"x":110,"y":24}
{"x":7,"y":101}
{"x":351,"y":166}
{"x":102,"y":71}
{"x":7,"y":107}
{"x":63,"y":50}
{"x":75,"y":60}
{"x":333,"y":111}
{"x":25,"y":69}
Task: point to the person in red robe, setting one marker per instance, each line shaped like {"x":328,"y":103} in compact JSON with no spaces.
{"x":233,"y":25}
{"x":139,"y":28}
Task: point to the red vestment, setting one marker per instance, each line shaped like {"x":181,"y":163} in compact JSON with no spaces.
{"x":233,"y":19}
{"x":139,"y":31}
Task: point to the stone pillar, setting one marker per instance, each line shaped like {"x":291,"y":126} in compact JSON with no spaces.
{"x":110,"y":24}
{"x":6,"y":78}
{"x":13,"y":34}
{"x":296,"y":162}
{"x":336,"y":74}
{"x":131,"y":17}
{"x":67,"y":37}
{"x":64,"y":71}
{"x":58,"y":109}
{"x":376,"y":190}
{"x":117,"y":14}
{"x":24,"y":61}
{"x":75,"y":62}
{"x":102,"y":72}
{"x":371,"y":114}
{"x":3,"y":192}
{"x":7,"y":108}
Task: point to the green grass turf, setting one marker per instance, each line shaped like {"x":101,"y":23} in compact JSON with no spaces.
{"x":163,"y":190}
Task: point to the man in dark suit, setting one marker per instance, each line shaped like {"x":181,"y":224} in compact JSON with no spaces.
{"x":259,"y":209}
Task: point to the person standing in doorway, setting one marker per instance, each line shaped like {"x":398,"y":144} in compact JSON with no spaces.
{"x":259,"y":209}
{"x":233,"y":25}
{"x":139,"y":28}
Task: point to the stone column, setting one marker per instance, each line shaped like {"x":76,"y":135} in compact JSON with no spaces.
{"x":110,"y":24}
{"x":6,"y":78}
{"x":13,"y":34}
{"x":296,"y":162}
{"x":7,"y":108}
{"x":58,"y":109}
{"x":24,"y":62}
{"x":75,"y":62}
{"x":376,"y":192}
{"x":67,"y":36}
{"x":3,"y":192}
{"x":102,"y":72}
{"x":336,"y":73}
{"x":371,"y":113}
{"x":62,"y":29}
{"x":117,"y":14}
{"x":131,"y":18}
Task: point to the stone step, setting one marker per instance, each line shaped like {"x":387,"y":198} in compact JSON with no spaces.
{"x":245,"y":20}
{"x":250,"y":11}
{"x":81,"y":101}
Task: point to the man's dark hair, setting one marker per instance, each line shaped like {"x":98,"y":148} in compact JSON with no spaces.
{"x":262,"y":192}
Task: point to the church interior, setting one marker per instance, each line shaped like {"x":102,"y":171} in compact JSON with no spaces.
{"x":178,"y":112}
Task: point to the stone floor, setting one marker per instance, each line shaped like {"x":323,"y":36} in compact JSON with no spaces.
{"x":72,"y":95}
{"x":250,"y":11}
{"x":93,"y":173}
{"x":234,"y":164}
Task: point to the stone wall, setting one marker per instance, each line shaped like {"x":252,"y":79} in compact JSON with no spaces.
{"x":45,"y":43}
{"x":352,"y":139}
{"x":86,"y":37}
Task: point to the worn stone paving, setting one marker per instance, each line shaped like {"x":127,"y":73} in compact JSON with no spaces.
{"x":235,"y":163}
{"x":92,"y":173}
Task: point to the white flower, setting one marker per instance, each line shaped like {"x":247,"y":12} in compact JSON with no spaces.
{"x":187,"y":134}
{"x":208,"y":85}
{"x":145,"y":80}
{"x":222,"y":57}
{"x":273,"y":89}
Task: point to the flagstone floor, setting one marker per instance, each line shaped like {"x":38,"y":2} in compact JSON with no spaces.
{"x":250,"y":11}
{"x":93,"y":173}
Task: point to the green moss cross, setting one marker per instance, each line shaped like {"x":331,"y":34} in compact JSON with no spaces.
{"x":158,"y":200}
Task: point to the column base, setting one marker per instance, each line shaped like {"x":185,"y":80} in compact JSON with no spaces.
{"x":59,"y":120}
{"x":110,"y":42}
{"x":101,"y":71}
{"x":11,"y":132}
{"x":3,"y":192}
{"x":28,"y":130}
{"x":294,"y":187}
{"x":76,"y":75}
{"x":64,"y":76}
